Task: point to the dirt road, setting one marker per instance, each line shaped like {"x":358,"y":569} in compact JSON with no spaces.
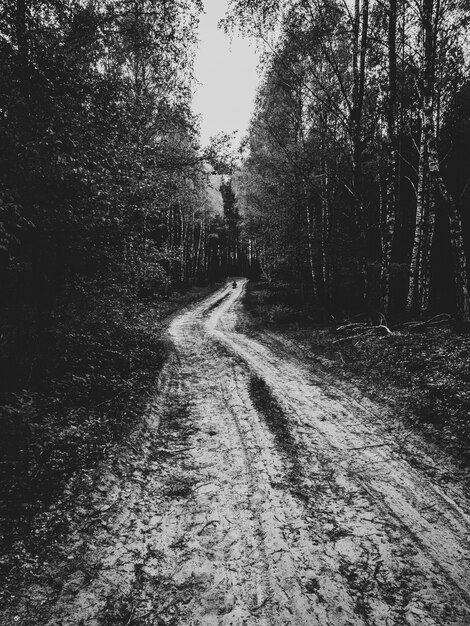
{"x":259,"y":493}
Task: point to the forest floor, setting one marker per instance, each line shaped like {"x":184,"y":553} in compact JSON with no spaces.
{"x":422,"y":376}
{"x":261,"y":489}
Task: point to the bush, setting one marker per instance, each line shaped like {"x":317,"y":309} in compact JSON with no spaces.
{"x":89,"y":384}
{"x":281,"y":314}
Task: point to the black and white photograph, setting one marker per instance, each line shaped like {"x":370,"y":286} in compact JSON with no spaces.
{"x":234,"y":313}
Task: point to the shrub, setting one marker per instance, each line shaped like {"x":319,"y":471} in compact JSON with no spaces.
{"x":281,"y":314}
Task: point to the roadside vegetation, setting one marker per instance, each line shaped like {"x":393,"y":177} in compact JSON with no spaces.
{"x":111,"y":218}
{"x":351,"y":188}
{"x":92,"y":392}
{"x":422,"y":372}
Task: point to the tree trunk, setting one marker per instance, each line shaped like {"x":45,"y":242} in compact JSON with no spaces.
{"x":391,"y":156}
{"x":420,"y":268}
{"x":310,"y":240}
{"x":170,"y":242}
{"x":325,"y":208}
{"x":416,"y":254}
{"x":430,"y":185}
{"x":359,"y":48}
{"x":21,"y":41}
{"x":182,"y":246}
{"x":459,"y":256}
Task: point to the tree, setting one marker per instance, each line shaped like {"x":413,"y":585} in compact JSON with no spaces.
{"x":391,"y":156}
{"x":363,"y":149}
{"x":431,"y":186}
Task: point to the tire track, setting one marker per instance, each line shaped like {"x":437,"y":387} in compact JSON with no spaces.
{"x":231,"y":509}
{"x":399,"y":505}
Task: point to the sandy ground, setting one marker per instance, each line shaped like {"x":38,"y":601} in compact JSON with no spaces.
{"x":219,"y":514}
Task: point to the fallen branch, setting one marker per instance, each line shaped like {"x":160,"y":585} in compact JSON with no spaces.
{"x":373,"y":445}
{"x":356,"y":330}
{"x":383,"y":329}
{"x":351,"y":327}
{"x":437,"y":320}
{"x":352,"y":337}
{"x":368,"y":331}
{"x":206,"y":526}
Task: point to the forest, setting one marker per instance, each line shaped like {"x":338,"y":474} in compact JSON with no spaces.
{"x":356,"y":175}
{"x":351,"y":187}
{"x":106,"y":210}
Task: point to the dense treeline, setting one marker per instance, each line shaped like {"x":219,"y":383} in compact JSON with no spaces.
{"x":96,"y":149}
{"x":356,"y":177}
{"x":103,"y":206}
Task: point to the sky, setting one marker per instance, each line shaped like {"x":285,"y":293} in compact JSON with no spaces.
{"x":226,"y":71}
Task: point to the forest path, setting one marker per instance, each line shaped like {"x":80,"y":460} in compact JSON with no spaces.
{"x":258,"y":494}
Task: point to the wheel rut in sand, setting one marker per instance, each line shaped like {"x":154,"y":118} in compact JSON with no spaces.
{"x":401,"y":544}
{"x":273,"y":585}
{"x":252,"y":497}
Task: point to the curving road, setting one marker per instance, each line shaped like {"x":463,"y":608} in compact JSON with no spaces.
{"x":260,"y":493}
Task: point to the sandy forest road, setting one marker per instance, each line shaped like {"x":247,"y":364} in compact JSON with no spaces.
{"x":258,"y":498}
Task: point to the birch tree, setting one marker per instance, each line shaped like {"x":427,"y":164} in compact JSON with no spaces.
{"x":433,"y":15}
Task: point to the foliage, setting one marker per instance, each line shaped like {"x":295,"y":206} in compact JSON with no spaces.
{"x":333,"y":188}
{"x":98,"y":384}
{"x":103,"y":220}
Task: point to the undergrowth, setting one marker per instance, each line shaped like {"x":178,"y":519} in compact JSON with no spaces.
{"x":90,"y":380}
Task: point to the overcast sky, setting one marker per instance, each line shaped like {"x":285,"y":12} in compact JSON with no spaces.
{"x":227,"y":72}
